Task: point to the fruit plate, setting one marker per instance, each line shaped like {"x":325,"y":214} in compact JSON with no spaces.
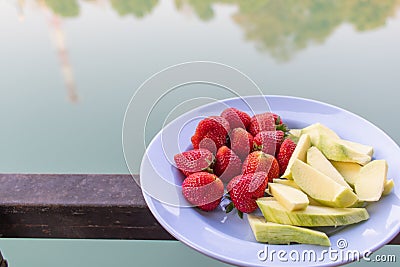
{"x":228,"y":238}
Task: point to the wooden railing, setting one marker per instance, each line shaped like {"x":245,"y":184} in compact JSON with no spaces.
{"x":77,"y":206}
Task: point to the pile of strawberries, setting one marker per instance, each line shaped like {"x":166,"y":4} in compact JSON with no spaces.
{"x":233,"y":149}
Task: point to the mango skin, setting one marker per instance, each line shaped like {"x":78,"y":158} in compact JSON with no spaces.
{"x":274,"y":233}
{"x":312,"y":215}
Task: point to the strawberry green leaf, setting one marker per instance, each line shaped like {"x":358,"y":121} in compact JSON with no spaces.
{"x":282,"y":127}
{"x":257,"y":147}
{"x":240,"y":214}
{"x":229,"y":207}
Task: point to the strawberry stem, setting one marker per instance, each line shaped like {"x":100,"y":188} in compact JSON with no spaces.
{"x":278,"y":120}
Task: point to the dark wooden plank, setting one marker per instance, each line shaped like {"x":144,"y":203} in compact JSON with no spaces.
{"x":395,"y":241}
{"x":77,"y":206}
{"x":70,"y":189}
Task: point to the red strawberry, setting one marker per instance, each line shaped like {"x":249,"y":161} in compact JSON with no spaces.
{"x":258,"y":161}
{"x":245,"y":189}
{"x":262,"y":122}
{"x":211,"y":133}
{"x":195,"y":160}
{"x":268,"y":141}
{"x":277,"y":118}
{"x":203,"y":189}
{"x":227,"y":164}
{"x":236,"y":118}
{"x":284,"y":154}
{"x":241,"y":142}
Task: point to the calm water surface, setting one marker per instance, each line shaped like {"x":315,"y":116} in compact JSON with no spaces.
{"x":69,"y":68}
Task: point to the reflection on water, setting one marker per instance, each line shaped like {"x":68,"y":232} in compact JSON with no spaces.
{"x":54,"y":11}
{"x":285,"y":27}
{"x":64,"y":8}
{"x":58,"y":40}
{"x":203,"y":9}
{"x":138,"y":8}
{"x":280,"y":27}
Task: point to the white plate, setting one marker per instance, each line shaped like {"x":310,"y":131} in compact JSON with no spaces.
{"x":228,"y":238}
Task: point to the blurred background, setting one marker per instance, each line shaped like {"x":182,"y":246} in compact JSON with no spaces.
{"x":69,"y":68}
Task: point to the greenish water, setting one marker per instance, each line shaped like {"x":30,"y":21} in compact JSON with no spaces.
{"x":69,"y":68}
{"x":104,"y":253}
